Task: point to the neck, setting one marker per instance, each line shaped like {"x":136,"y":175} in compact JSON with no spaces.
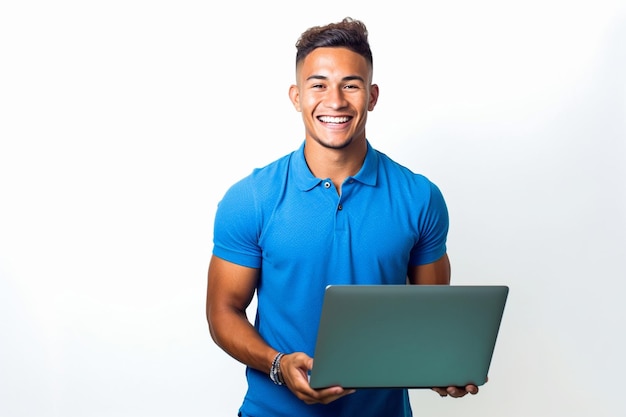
{"x":336,"y":164}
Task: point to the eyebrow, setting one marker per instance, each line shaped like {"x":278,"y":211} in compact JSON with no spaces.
{"x":346,"y":78}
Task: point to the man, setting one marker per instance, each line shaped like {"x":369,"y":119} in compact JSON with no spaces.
{"x":335,"y":211}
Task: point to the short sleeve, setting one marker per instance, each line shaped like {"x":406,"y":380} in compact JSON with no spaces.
{"x":433,"y":230}
{"x":236,"y":229}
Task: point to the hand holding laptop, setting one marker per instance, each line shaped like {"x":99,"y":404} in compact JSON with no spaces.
{"x":295,"y":368}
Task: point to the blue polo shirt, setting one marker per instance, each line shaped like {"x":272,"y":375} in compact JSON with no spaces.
{"x":304,"y":236}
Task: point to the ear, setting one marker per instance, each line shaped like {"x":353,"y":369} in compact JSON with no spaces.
{"x":373,"y":97}
{"x":294,"y":96}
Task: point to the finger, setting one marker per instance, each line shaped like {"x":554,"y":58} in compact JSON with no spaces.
{"x":294,"y":368}
{"x":472,"y":389}
{"x":327,"y":395}
{"x":441,"y":391}
{"x":456,"y":392}
{"x":326,"y":400}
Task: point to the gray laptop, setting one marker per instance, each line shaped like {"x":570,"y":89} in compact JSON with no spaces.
{"x":410,"y":336}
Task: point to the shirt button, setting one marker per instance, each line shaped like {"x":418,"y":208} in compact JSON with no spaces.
{"x":340,"y":207}
{"x":327,"y":184}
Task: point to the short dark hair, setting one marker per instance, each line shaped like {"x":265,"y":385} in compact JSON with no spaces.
{"x":349,"y":33}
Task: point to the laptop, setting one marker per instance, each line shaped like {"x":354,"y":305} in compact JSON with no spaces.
{"x":407,"y":336}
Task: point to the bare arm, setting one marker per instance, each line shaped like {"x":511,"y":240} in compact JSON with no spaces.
{"x":438,"y":273}
{"x":230,"y":289}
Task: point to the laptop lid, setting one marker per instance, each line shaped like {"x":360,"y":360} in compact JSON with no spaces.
{"x":409,"y":336}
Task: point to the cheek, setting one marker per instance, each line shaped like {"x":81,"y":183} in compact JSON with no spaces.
{"x":307,"y":104}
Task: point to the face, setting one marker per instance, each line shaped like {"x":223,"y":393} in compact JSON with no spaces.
{"x":334,"y":94}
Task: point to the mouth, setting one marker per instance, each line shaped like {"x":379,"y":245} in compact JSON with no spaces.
{"x":337,"y":120}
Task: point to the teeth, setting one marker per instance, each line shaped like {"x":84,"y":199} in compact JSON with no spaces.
{"x":329,"y":119}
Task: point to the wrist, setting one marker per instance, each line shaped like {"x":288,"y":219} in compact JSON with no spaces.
{"x":275,"y":373}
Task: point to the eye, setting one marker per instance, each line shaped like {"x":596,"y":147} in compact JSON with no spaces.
{"x":354,"y":85}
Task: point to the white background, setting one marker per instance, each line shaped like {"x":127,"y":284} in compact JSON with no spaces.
{"x":122,"y":123}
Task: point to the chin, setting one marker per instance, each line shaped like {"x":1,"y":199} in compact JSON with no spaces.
{"x":335,"y":144}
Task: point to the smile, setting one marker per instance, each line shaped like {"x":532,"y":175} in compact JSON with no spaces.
{"x":330,"y":119}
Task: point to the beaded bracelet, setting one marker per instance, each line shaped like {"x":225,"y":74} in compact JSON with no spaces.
{"x":275,"y":375}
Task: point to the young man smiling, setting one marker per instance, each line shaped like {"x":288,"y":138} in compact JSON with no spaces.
{"x":335,"y":211}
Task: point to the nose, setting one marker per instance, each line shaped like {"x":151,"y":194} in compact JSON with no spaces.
{"x":335,"y":98}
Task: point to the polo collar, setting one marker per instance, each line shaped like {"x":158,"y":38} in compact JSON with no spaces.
{"x":306,"y":181}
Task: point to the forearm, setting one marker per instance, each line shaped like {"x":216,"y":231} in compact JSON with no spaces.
{"x":233,"y":332}
{"x":230,"y":290}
